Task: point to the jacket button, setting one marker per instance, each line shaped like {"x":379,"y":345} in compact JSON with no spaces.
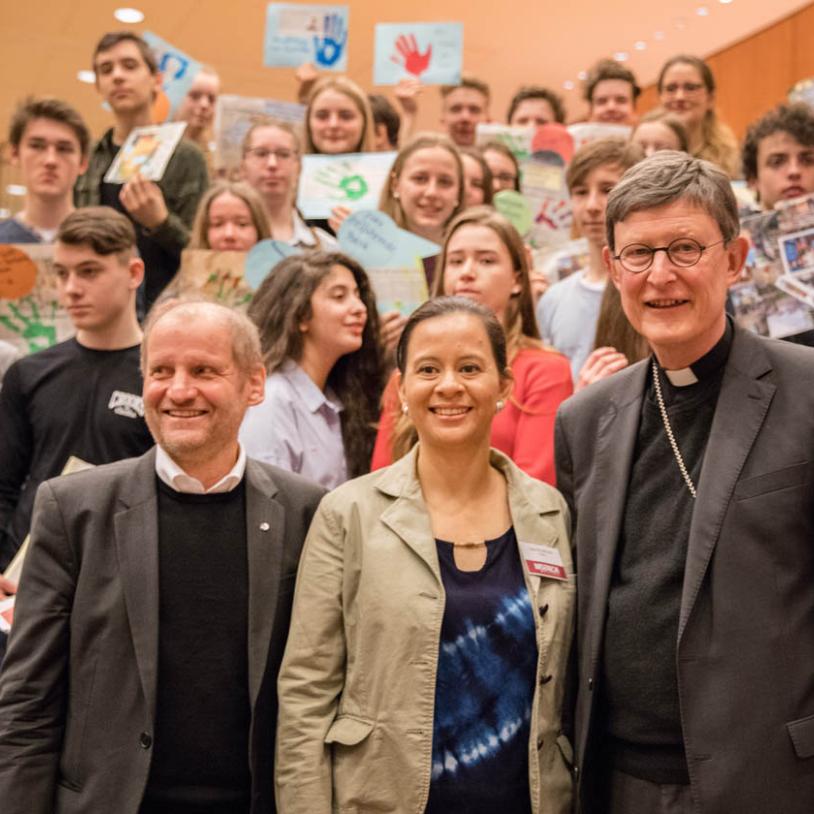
{"x":145,"y":741}
{"x":540,"y":743}
{"x":546,"y":679}
{"x":590,"y":685}
{"x":543,"y":610}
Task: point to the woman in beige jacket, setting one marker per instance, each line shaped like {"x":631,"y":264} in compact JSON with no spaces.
{"x":433,"y":614}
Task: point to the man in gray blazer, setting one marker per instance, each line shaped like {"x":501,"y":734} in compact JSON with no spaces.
{"x":691,"y":484}
{"x":154,"y":603}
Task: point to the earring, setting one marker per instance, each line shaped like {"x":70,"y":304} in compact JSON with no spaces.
{"x":395,"y":195}
{"x":404,"y":408}
{"x":499,"y":405}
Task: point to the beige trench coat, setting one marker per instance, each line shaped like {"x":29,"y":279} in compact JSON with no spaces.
{"x":357,"y":683}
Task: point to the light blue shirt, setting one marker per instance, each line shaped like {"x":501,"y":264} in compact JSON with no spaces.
{"x":297,"y":427}
{"x":567,"y":315}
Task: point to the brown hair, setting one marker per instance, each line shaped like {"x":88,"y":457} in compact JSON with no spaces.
{"x":719,"y":144}
{"x":286,"y":127}
{"x":476,"y":155}
{"x":199,"y":237}
{"x":609,"y":69}
{"x":520,"y":322}
{"x":796,"y":120}
{"x":499,"y":147}
{"x":113,"y":38}
{"x":537,"y":92}
{"x":614,"y":151}
{"x":391,"y":205}
{"x":467,"y":82}
{"x":668,"y":120}
{"x":48,"y":108}
{"x":283,"y":302}
{"x":349,"y":88}
{"x":613,"y":329}
{"x":102,"y":228}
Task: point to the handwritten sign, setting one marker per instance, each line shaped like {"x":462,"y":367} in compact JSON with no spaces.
{"x":31,"y":316}
{"x":304,"y":33}
{"x":353,"y":180}
{"x":431,"y":52}
{"x":178,"y":72}
{"x":372,"y":238}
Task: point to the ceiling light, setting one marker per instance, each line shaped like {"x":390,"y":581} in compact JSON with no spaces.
{"x":702,"y":11}
{"x":640,"y":45}
{"x":18,"y":190}
{"x":582,"y":76}
{"x":89,"y":77}
{"x":658,"y":35}
{"x":128,"y":15}
{"x":568,"y":84}
{"x":621,"y":56}
{"x":724,"y":2}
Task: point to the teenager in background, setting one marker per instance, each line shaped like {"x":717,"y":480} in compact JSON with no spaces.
{"x":231,"y":217}
{"x":660,"y":130}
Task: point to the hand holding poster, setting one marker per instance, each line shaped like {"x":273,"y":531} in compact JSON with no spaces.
{"x":431,"y":52}
{"x":178,"y":72}
{"x":31,"y":316}
{"x":353,"y":180}
{"x":304,"y":33}
{"x":147,"y":151}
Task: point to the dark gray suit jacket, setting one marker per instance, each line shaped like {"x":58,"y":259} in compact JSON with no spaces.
{"x":745,"y":649}
{"x":78,"y":686}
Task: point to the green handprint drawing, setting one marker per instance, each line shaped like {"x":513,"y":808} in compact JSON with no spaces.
{"x":226,"y":289}
{"x":343,"y":182}
{"x":38,"y":331}
{"x":516,"y":144}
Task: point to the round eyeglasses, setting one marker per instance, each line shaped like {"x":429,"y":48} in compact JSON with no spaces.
{"x":683,"y":251}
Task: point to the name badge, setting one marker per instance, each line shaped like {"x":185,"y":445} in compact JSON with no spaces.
{"x":543,"y":561}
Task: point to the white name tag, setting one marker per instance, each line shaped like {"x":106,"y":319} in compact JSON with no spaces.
{"x":543,"y":561}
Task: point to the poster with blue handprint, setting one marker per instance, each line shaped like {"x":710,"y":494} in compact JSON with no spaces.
{"x":178,"y":70}
{"x":31,"y":315}
{"x":297,"y":33}
{"x":431,"y":52}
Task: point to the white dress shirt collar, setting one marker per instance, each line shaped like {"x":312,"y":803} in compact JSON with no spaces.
{"x":175,"y":477}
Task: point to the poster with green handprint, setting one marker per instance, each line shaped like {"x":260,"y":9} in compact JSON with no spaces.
{"x":352,"y":180}
{"x":217,"y":275}
{"x":31,"y":317}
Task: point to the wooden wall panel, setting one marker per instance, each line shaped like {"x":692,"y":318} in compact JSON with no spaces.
{"x":755,"y":74}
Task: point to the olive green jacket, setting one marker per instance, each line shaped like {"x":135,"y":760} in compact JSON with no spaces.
{"x":357,"y":683}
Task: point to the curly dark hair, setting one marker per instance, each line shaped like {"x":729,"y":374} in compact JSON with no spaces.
{"x":537,"y":92}
{"x":797,"y":120}
{"x":283,"y":302}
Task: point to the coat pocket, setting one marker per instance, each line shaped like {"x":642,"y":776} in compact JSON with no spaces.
{"x":801,"y":733}
{"x":785,"y":478}
{"x":348,"y":731}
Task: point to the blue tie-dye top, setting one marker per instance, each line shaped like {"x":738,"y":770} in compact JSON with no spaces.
{"x":485,"y":686}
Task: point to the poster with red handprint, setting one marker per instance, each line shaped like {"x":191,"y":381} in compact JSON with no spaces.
{"x":431,"y":52}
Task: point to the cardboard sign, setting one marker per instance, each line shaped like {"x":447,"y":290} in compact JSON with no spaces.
{"x":515,"y":208}
{"x":216,"y":275}
{"x":353,"y":180}
{"x":147,"y":151}
{"x":234,"y":115}
{"x":431,"y":52}
{"x":517,"y":139}
{"x":31,"y":316}
{"x":306,"y":33}
{"x":401,"y":290}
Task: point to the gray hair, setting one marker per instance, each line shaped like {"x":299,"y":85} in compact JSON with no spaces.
{"x":668,"y":176}
{"x":245,"y":339}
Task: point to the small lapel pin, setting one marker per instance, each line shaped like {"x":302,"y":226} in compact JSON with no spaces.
{"x":264,"y":526}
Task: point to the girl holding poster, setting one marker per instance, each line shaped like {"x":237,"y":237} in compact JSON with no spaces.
{"x":484,"y":259}
{"x":338,"y":118}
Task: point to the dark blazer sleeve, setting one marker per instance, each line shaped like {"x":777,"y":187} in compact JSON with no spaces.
{"x":565,"y":469}
{"x":34,"y":678}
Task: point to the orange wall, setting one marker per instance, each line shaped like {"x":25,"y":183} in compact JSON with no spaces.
{"x":755,"y":74}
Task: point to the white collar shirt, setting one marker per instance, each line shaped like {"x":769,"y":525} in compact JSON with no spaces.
{"x":170,"y":473}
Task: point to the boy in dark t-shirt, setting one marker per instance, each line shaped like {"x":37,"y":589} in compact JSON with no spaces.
{"x":81,"y":397}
